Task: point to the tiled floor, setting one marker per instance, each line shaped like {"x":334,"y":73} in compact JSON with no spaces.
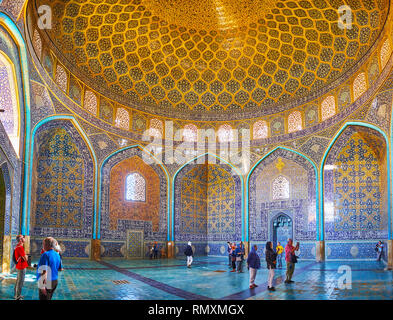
{"x":171,"y":280}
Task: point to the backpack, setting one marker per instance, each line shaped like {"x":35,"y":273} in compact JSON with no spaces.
{"x":14,"y":258}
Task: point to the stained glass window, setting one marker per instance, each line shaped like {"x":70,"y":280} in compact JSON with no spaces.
{"x":61,"y":78}
{"x":386,"y":51}
{"x":91,"y":102}
{"x":9,"y":102}
{"x":359,"y":85}
{"x":156,"y":128}
{"x":190,"y":133}
{"x":122,"y":119}
{"x":225,"y":133}
{"x":295,"y":122}
{"x":135,"y":187}
{"x":280,"y":188}
{"x":328,"y":108}
{"x":260,"y":130}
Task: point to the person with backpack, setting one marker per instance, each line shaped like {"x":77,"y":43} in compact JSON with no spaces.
{"x":189,"y":253}
{"x":291,"y":259}
{"x":271,"y":257}
{"x":20,"y":258}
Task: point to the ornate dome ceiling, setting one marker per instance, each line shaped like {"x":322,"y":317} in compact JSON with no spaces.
{"x":195,"y":57}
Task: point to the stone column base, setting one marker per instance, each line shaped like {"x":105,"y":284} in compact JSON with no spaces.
{"x":390,"y":254}
{"x":170,"y":249}
{"x":6,"y":263}
{"x":320,"y":251}
{"x":95,"y":250}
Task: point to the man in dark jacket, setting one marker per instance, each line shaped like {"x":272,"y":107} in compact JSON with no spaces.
{"x":253,"y":264}
{"x":271,"y":257}
{"x":189,"y":253}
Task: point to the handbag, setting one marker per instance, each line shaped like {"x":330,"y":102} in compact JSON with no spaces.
{"x":294,"y":258}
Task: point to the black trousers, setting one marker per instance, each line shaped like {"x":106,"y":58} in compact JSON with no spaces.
{"x":49,"y":292}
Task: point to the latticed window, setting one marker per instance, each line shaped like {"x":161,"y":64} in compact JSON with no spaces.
{"x":9,"y":102}
{"x":156,"y":128}
{"x":122,"y":119}
{"x":225,"y":133}
{"x":359,"y":85}
{"x":260,"y":130}
{"x":91,"y":103}
{"x":135,"y":187}
{"x":295,"y":122}
{"x":328,"y":108}
{"x":280,"y":188}
{"x":386,"y":51}
{"x":61,"y":78}
{"x":190,"y":133}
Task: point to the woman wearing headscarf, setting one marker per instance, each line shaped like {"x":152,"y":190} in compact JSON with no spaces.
{"x":253,"y":264}
{"x":189,"y":253}
{"x":271,"y":257}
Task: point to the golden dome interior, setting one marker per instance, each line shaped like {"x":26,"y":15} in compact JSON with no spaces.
{"x":212,"y":56}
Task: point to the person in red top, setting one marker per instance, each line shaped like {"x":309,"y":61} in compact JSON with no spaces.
{"x":21,"y":265}
{"x":289,"y":254}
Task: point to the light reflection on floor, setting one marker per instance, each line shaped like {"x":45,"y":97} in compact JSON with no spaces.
{"x":209,"y":278}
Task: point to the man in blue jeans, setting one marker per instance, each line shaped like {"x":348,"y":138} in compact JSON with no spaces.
{"x":47,"y":270}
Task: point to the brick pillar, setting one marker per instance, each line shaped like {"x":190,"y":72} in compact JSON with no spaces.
{"x":6,"y":263}
{"x":320,"y":251}
{"x":390,"y":254}
{"x":170,"y":247}
{"x":95,"y":250}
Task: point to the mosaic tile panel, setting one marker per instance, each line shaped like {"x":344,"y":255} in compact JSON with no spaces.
{"x":300,"y":206}
{"x":355,"y":196}
{"x":63,"y":203}
{"x":153,"y":223}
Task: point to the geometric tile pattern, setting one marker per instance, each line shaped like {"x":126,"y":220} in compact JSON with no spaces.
{"x":355,"y":186}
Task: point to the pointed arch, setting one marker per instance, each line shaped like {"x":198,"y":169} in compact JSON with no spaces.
{"x":248,"y":186}
{"x":9,"y":102}
{"x":190,"y":162}
{"x":321,"y":171}
{"x":14,"y":32}
{"x":97,"y":217}
{"x":26,"y":224}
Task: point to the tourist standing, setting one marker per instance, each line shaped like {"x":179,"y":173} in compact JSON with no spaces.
{"x":380,"y":251}
{"x":271,"y":257}
{"x":240,"y":257}
{"x":253,"y":264}
{"x":279,"y":251}
{"x":189,"y":253}
{"x":47,"y":270}
{"x":229,"y":249}
{"x":290,"y":259}
{"x":233,"y":257}
{"x":155,"y":250}
{"x":20,"y":260}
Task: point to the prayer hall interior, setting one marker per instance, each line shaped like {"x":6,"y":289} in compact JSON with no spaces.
{"x":127,"y":125}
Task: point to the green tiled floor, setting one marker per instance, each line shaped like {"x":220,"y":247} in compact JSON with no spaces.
{"x":171,"y":280}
